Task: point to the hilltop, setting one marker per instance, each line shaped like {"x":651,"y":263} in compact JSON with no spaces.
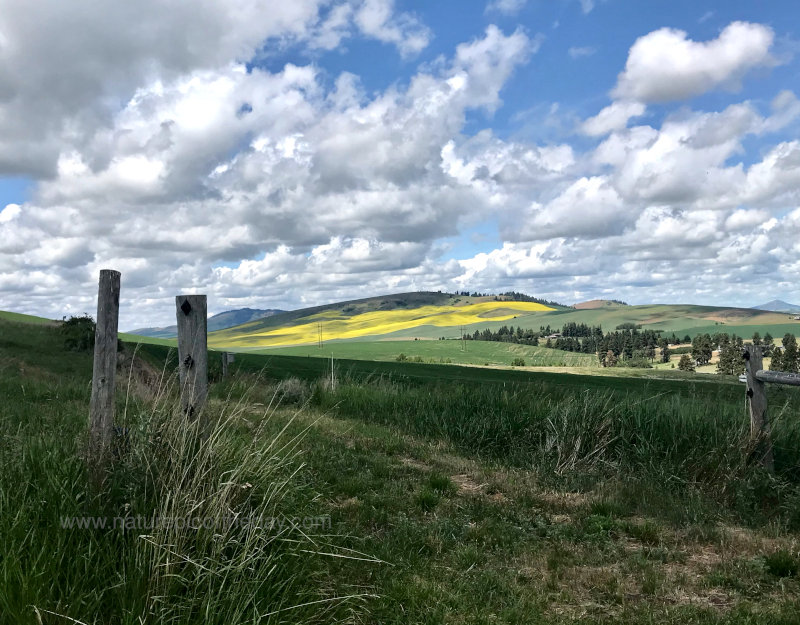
{"x":220,"y":321}
{"x":593,"y":304}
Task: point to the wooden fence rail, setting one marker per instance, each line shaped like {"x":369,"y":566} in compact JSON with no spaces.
{"x":779,"y":377}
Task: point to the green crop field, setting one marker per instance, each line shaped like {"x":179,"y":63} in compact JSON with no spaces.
{"x":439,"y":494}
{"x":469,"y":352}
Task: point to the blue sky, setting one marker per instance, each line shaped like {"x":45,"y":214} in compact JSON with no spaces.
{"x":289,"y":154}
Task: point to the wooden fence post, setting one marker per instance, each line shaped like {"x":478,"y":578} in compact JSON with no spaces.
{"x":227,"y":358}
{"x":192,"y":352}
{"x":101,"y":407}
{"x":757,"y":394}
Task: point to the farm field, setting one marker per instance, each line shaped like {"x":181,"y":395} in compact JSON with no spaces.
{"x":279,"y":367}
{"x":450,"y":351}
{"x":453,"y":495}
{"x":332,"y":325}
{"x":433,"y":315}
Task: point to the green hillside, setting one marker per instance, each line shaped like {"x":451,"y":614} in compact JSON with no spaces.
{"x":680,"y":319}
{"x":397,"y":301}
{"x":304,"y":326}
{"x":20,"y":318}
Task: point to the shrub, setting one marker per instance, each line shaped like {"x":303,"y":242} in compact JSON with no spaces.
{"x":427,"y":499}
{"x":782,"y":564}
{"x":292,"y":391}
{"x":635,"y":363}
{"x":78,"y":333}
{"x":518,"y":362}
{"x":441,"y":484}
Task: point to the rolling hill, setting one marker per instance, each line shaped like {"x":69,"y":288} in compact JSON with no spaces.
{"x":353,"y":321}
{"x":409,"y":316}
{"x":405,"y":317}
{"x":220,"y":321}
{"x":593,"y":304}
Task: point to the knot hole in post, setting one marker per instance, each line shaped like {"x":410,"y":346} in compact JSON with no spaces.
{"x":188,"y":361}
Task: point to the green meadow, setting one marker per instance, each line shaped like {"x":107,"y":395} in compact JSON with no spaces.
{"x":448,"y":351}
{"x":442,"y":494}
{"x":19,"y":317}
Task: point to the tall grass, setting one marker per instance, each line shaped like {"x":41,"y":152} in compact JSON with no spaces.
{"x":248,"y":561}
{"x":682,"y":442}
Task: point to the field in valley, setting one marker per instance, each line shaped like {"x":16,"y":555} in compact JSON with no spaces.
{"x":454,"y":494}
{"x":488,"y":353}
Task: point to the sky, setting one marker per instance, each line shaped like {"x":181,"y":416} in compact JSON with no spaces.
{"x":280,"y":154}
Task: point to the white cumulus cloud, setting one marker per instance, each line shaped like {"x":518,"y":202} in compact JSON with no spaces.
{"x":666,"y":65}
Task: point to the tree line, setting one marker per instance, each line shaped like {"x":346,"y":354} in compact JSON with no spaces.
{"x":629,"y":345}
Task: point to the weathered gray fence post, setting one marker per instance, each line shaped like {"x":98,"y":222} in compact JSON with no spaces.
{"x":227,"y":358}
{"x":101,"y":407}
{"x":757,"y":394}
{"x":192,"y":352}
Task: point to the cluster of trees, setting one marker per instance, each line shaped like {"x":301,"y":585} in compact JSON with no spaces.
{"x":730,"y":355}
{"x":506,"y":334}
{"x":789,"y":358}
{"x":631,"y":346}
{"x":513,"y":296}
{"x":573,"y":329}
{"x":521,"y":297}
{"x":620,"y":346}
{"x":785,"y":358}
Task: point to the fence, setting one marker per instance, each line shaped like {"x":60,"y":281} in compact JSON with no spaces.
{"x":757,"y":378}
{"x":191,"y":315}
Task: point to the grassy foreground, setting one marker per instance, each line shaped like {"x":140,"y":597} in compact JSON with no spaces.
{"x":455,"y":495}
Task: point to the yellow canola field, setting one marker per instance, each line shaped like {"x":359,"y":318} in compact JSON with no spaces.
{"x":378,"y":322}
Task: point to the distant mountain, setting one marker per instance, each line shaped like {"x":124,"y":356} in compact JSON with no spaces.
{"x":220,"y":321}
{"x":232,"y":318}
{"x":778,"y":305}
{"x":593,"y":304}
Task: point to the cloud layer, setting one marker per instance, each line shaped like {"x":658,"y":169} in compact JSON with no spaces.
{"x":160,"y":151}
